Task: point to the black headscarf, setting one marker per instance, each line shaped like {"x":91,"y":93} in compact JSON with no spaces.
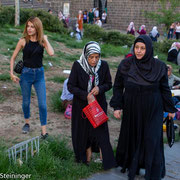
{"x":146,"y":70}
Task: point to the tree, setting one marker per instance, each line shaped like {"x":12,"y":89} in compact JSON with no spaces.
{"x":17,"y":16}
{"x":166,"y":14}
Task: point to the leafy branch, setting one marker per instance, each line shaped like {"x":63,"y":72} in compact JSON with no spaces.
{"x":166,"y":14}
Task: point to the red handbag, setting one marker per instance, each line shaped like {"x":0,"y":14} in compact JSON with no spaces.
{"x":95,"y":114}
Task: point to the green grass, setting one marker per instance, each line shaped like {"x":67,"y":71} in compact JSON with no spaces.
{"x":2,"y":98}
{"x":56,"y":103}
{"x":67,"y":57}
{"x":5,"y":77}
{"x":55,"y":161}
{"x":111,"y":50}
{"x":57,"y":79}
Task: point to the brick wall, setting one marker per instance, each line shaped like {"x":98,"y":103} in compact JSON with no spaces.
{"x":75,"y":5}
{"x":120,"y":12}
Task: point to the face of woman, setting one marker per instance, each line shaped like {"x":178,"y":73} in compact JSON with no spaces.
{"x":31,"y":30}
{"x":93,"y":59}
{"x":139,"y":50}
{"x":169,"y":70}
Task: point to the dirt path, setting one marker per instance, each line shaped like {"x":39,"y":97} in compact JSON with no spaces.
{"x":11,"y":116}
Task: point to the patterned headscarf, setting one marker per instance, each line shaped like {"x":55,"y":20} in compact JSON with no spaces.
{"x":91,"y":47}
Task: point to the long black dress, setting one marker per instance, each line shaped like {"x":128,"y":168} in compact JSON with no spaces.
{"x":83,"y":133}
{"x":140,"y":143}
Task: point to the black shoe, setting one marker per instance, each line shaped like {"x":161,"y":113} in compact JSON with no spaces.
{"x":44,"y":136}
{"x":26,"y":128}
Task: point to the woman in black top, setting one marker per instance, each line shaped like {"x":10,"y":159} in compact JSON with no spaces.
{"x":90,"y":76}
{"x":33,"y":44}
{"x":141,"y":90}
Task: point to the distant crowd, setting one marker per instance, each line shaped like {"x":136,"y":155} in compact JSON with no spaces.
{"x":173,"y":33}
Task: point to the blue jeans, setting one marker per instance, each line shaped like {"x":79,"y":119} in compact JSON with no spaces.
{"x":29,"y":77}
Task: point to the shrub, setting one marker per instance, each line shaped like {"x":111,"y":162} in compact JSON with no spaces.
{"x":24,"y":15}
{"x":6,"y":15}
{"x":117,"y":38}
{"x":50,"y":23}
{"x":94,"y":32}
{"x":163,"y":46}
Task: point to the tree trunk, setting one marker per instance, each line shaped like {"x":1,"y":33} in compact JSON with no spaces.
{"x":17,"y":13}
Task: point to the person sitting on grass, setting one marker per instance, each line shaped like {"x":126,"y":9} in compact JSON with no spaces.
{"x":173,"y":52}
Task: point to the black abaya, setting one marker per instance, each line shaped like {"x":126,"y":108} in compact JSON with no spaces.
{"x":140,"y":143}
{"x":83,"y":132}
{"x":141,"y":90}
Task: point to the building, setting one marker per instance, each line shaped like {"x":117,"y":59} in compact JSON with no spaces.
{"x":120,"y":12}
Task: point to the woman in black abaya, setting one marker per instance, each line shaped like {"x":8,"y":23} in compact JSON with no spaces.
{"x":141,"y":91}
{"x":90,"y":76}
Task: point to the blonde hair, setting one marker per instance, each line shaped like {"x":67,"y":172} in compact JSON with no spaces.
{"x":39,"y":30}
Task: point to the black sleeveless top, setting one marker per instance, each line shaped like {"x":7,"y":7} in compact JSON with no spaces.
{"x":33,"y":55}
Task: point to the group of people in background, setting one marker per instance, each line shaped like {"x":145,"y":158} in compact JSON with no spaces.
{"x":154,"y":34}
{"x":174,"y":31}
{"x":91,"y":17}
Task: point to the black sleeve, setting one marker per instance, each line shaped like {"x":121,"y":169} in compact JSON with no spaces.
{"x":117,"y":99}
{"x":107,"y":84}
{"x":168,"y":103}
{"x":73,"y":83}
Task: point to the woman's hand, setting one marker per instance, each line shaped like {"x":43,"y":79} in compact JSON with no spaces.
{"x":90,"y":98}
{"x":14,"y":78}
{"x":117,"y":114}
{"x":95,"y":90}
{"x":171,"y":115}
